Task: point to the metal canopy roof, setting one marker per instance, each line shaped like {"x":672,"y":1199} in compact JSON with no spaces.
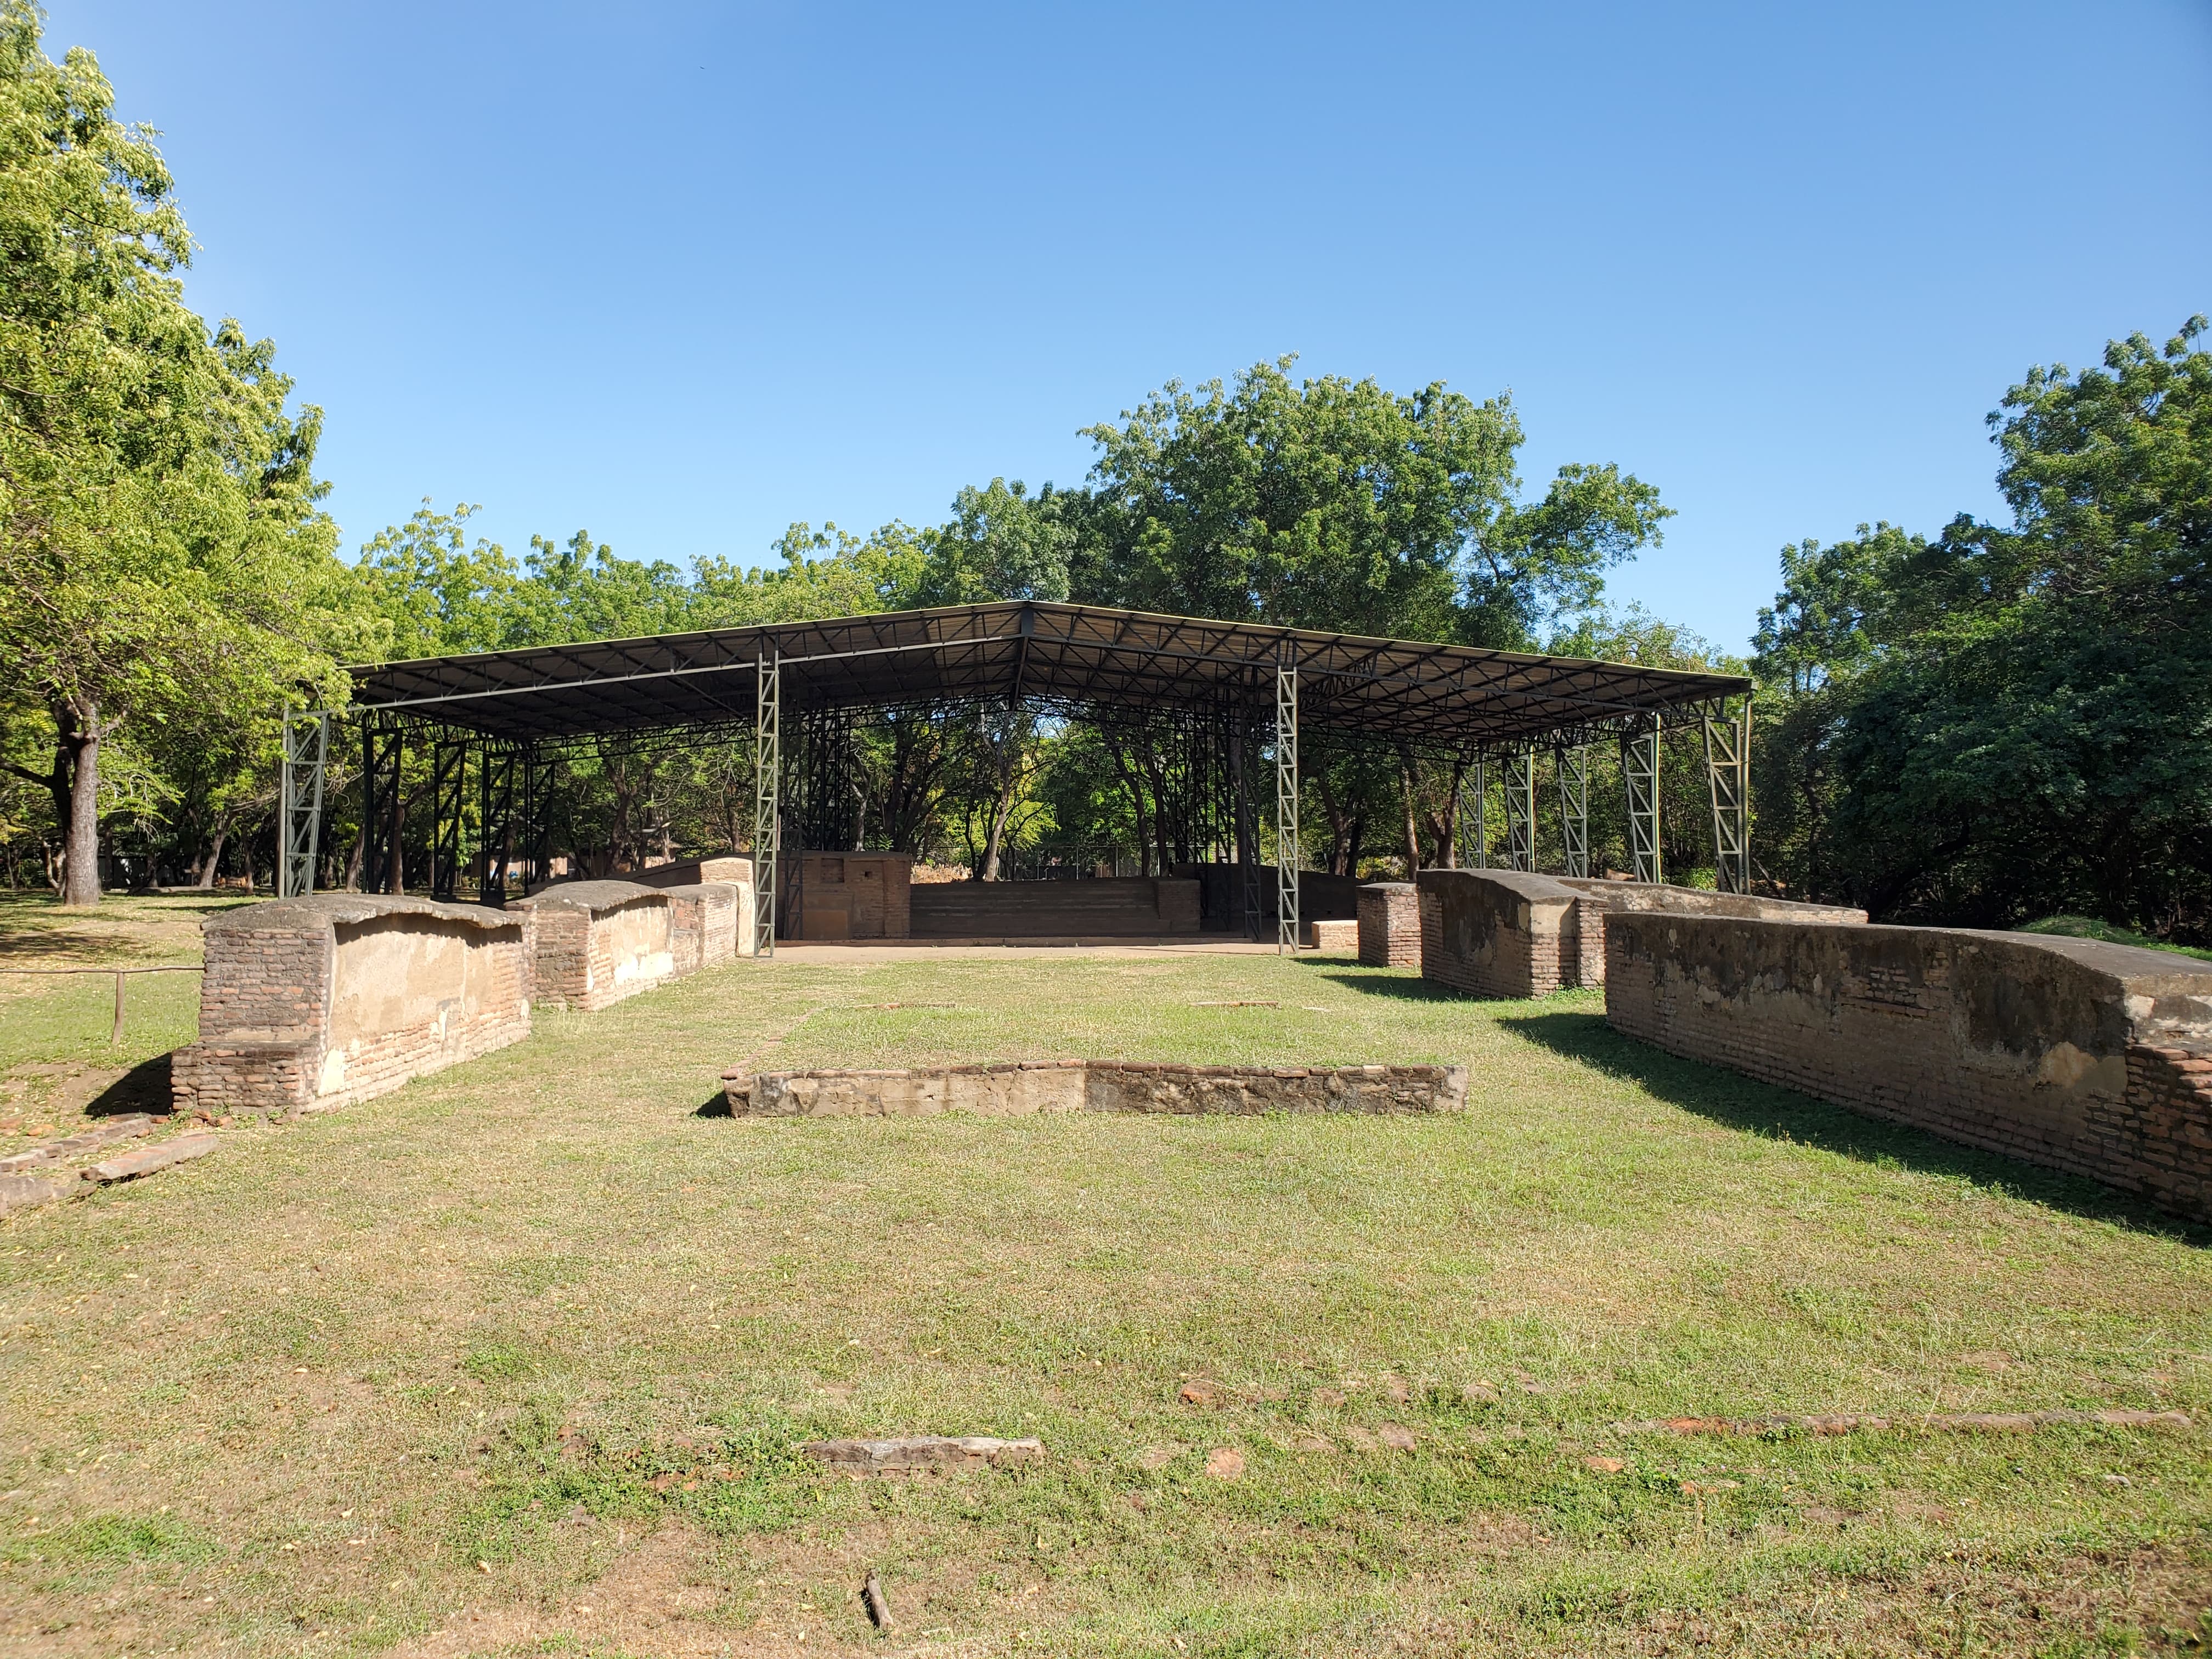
{"x":1451,"y":697}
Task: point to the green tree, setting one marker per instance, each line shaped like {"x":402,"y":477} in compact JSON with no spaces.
{"x":2008,"y":721}
{"x":1332,"y":503}
{"x":162,"y":553}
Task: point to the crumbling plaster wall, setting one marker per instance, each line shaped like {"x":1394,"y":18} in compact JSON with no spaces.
{"x":311,"y":1002}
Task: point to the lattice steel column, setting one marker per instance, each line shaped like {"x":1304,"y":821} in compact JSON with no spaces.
{"x":1481,"y":829}
{"x":1639,"y":771}
{"x":448,"y":787}
{"x":383,"y":866}
{"x":1727,"y":778}
{"x":300,"y":809}
{"x":1286,"y":810}
{"x":768,"y":814}
{"x":1574,"y":807}
{"x":1521,"y":812}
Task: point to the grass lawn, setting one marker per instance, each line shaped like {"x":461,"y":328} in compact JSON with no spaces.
{"x":512,"y":1361}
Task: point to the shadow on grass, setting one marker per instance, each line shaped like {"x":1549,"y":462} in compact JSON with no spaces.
{"x":1779,"y":1114}
{"x":143,"y":1088}
{"x":1398,"y":982}
{"x":718,"y":1106}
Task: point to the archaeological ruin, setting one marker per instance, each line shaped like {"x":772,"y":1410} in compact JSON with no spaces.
{"x":2092,"y":1059}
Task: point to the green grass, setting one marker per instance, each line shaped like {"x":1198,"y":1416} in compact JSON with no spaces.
{"x":542,"y":1336}
{"x":56,"y":1052}
{"x":2090,"y":928}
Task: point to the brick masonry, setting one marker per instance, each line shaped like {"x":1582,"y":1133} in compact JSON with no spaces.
{"x":309,"y":1003}
{"x":1501,"y":934}
{"x":599,"y":942}
{"x":733,"y":870}
{"x":846,"y":896}
{"x":1391,"y":925}
{"x":2074,"y":1054}
{"x":1095,"y":1086}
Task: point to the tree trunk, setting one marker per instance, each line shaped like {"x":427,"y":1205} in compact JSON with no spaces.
{"x":1340,"y":824}
{"x":1413,"y":828}
{"x":80,"y":741}
{"x":1137,"y":803}
{"x":215,"y":853}
{"x":1002,"y":809}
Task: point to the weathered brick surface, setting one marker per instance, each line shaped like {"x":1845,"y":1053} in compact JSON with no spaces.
{"x":732,"y":872}
{"x":1495,"y":933}
{"x":308,"y":1003}
{"x":1391,"y":925}
{"x":1500,"y":933}
{"x":855,"y":895}
{"x":1096,"y":1085}
{"x":599,"y":942}
{"x":2078,"y":1055}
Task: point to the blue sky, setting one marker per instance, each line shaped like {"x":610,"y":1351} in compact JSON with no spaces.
{"x":681,"y":274}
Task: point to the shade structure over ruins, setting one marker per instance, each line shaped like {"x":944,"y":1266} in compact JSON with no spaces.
{"x":1233,"y":702}
{"x":1454,"y":698}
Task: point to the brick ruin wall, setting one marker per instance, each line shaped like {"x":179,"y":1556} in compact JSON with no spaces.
{"x":1390,"y":925}
{"x":1096,"y":1085}
{"x":310,"y":1003}
{"x":1503,"y":934}
{"x":1496,"y":933}
{"x":600,"y":942}
{"x":2090,"y":1058}
{"x":731,"y":871}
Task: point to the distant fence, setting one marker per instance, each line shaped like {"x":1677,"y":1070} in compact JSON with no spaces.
{"x":115,"y":1032}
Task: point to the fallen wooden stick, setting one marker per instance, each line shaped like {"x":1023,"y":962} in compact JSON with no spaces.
{"x":1867,"y":1423}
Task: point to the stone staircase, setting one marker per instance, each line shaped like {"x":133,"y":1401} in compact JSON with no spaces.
{"x":1121,"y":908}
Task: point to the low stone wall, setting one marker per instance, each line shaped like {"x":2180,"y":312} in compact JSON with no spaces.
{"x":597,"y":942}
{"x":1390,"y":925}
{"x":2072,"y":1054}
{"x":731,"y":871}
{"x":1500,"y":933}
{"x":1334,"y":937}
{"x":311,"y":1002}
{"x":1096,"y":1085}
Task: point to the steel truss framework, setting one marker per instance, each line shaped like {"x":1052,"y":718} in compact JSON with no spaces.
{"x":1198,"y":689}
{"x":1639,"y":772}
{"x":1727,"y":780}
{"x":1573,"y":767}
{"x":307,"y":740}
{"x":1521,"y":811}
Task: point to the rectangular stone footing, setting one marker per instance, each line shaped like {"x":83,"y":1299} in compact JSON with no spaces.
{"x":922,"y":1453}
{"x":1096,"y":1085}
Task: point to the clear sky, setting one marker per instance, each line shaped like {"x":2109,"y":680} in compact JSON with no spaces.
{"x":681,"y":273}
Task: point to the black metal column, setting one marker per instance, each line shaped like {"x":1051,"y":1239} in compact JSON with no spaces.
{"x":449,"y":772}
{"x":495,"y":784}
{"x":382,"y":747}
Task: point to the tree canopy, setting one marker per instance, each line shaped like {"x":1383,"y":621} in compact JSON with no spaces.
{"x":161,"y":550}
{"x":2005,"y":721}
